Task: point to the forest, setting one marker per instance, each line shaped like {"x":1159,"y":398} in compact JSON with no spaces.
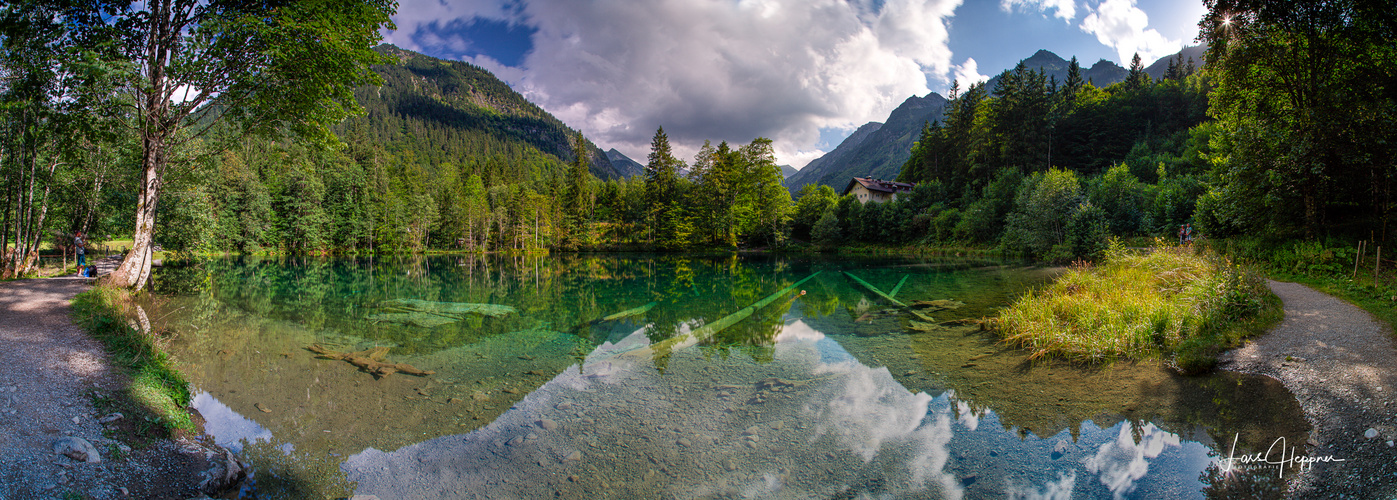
{"x":1284,"y":133}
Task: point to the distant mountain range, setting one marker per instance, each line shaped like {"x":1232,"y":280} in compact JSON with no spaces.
{"x":878,"y":150}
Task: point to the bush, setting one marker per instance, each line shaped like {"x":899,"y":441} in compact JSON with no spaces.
{"x":1088,"y":231}
{"x":1037,"y":226}
{"x":826,"y":230}
{"x":944,"y":224}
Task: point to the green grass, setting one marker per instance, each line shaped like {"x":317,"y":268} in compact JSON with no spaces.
{"x":1178,"y":303}
{"x":156,"y":393}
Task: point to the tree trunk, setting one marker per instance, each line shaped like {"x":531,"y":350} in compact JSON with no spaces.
{"x":134,"y":270}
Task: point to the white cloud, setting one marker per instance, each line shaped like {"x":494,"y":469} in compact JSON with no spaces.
{"x":1065,"y":9}
{"x":415,"y":14}
{"x":714,"y":69}
{"x":1121,"y":25}
{"x":968,"y":72}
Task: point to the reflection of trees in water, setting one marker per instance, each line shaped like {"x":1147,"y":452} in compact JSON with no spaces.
{"x":560,"y":293}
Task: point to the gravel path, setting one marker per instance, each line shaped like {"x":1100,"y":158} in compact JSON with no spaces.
{"x":1342,"y":366}
{"x":49,"y":371}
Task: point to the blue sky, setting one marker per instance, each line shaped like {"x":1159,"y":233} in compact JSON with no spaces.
{"x":804,"y":73}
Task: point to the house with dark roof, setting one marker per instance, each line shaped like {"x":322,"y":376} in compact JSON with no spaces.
{"x":866,"y":189}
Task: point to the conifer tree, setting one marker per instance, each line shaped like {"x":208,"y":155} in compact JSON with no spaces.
{"x":661,"y":189}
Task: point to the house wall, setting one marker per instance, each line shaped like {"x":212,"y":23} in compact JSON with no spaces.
{"x":864,"y":196}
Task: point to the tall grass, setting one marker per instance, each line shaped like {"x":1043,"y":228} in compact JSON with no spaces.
{"x":1179,"y":303}
{"x":154,"y":388}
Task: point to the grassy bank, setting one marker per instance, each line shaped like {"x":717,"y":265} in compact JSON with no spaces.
{"x":156,"y":398}
{"x":1182,"y":304}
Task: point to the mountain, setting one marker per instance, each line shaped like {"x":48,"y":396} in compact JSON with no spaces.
{"x":626,"y":166}
{"x":1101,"y":74}
{"x":874,"y":150}
{"x":1196,"y":53}
{"x":1104,"y":73}
{"x":787,"y":171}
{"x":455,"y":112}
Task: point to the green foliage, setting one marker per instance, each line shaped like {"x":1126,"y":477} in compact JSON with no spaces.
{"x":1088,"y":231}
{"x":1170,"y":301}
{"x":1037,"y":225}
{"x":812,"y":202}
{"x":1303,"y":101}
{"x":826,"y":231}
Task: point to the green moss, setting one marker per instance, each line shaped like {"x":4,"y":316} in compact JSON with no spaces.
{"x":156,"y":392}
{"x":1182,"y":304}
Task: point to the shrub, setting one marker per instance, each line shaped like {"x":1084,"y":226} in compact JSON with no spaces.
{"x":826,"y":230}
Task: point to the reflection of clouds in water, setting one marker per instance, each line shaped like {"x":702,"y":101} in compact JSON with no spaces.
{"x":966,"y":416}
{"x":1122,"y":462}
{"x":853,"y":410}
{"x":798,"y":331}
{"x":871,"y":413}
{"x":865,"y":410}
{"x":227,"y":426}
{"x":1053,"y":490}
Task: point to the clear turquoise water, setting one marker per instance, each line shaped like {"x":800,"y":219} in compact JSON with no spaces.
{"x":827,"y":391}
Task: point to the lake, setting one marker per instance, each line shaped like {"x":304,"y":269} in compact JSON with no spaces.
{"x":685,"y":376}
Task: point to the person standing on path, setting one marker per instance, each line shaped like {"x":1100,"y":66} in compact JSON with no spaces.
{"x":79,"y":247}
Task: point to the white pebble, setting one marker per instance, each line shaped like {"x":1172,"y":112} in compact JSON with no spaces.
{"x":1370,"y":433}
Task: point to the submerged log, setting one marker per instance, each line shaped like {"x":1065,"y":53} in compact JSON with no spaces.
{"x":678,"y":342}
{"x":631,"y":312}
{"x":371,"y":361}
{"x":875,"y":289}
{"x":898,"y":287}
{"x":938,"y":304}
{"x":427,"y":314}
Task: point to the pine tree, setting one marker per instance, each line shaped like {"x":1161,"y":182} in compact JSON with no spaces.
{"x":579,"y":182}
{"x":1138,"y":78}
{"x":1073,"y":84}
{"x":661,"y":188}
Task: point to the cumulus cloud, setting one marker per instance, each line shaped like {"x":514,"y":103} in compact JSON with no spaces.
{"x":1065,"y":9}
{"x":1120,"y":24}
{"x":968,"y":72}
{"x":715,"y":69}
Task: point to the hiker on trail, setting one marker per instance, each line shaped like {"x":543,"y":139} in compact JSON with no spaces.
{"x":1181,"y":233}
{"x":1188,"y":233}
{"x":80,"y":247}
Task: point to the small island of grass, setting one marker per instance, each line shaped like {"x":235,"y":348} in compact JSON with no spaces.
{"x":1182,"y":304}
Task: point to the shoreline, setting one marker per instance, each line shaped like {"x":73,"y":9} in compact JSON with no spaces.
{"x":1339,"y":362}
{"x":62,"y":385}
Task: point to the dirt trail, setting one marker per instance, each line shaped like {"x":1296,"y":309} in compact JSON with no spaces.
{"x":1342,"y":366}
{"x":49,"y":369}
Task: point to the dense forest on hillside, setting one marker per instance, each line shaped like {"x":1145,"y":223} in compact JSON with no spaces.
{"x":1284,"y":132}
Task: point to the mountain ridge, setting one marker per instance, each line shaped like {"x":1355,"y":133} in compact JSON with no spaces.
{"x":453,"y":111}
{"x":879,"y":149}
